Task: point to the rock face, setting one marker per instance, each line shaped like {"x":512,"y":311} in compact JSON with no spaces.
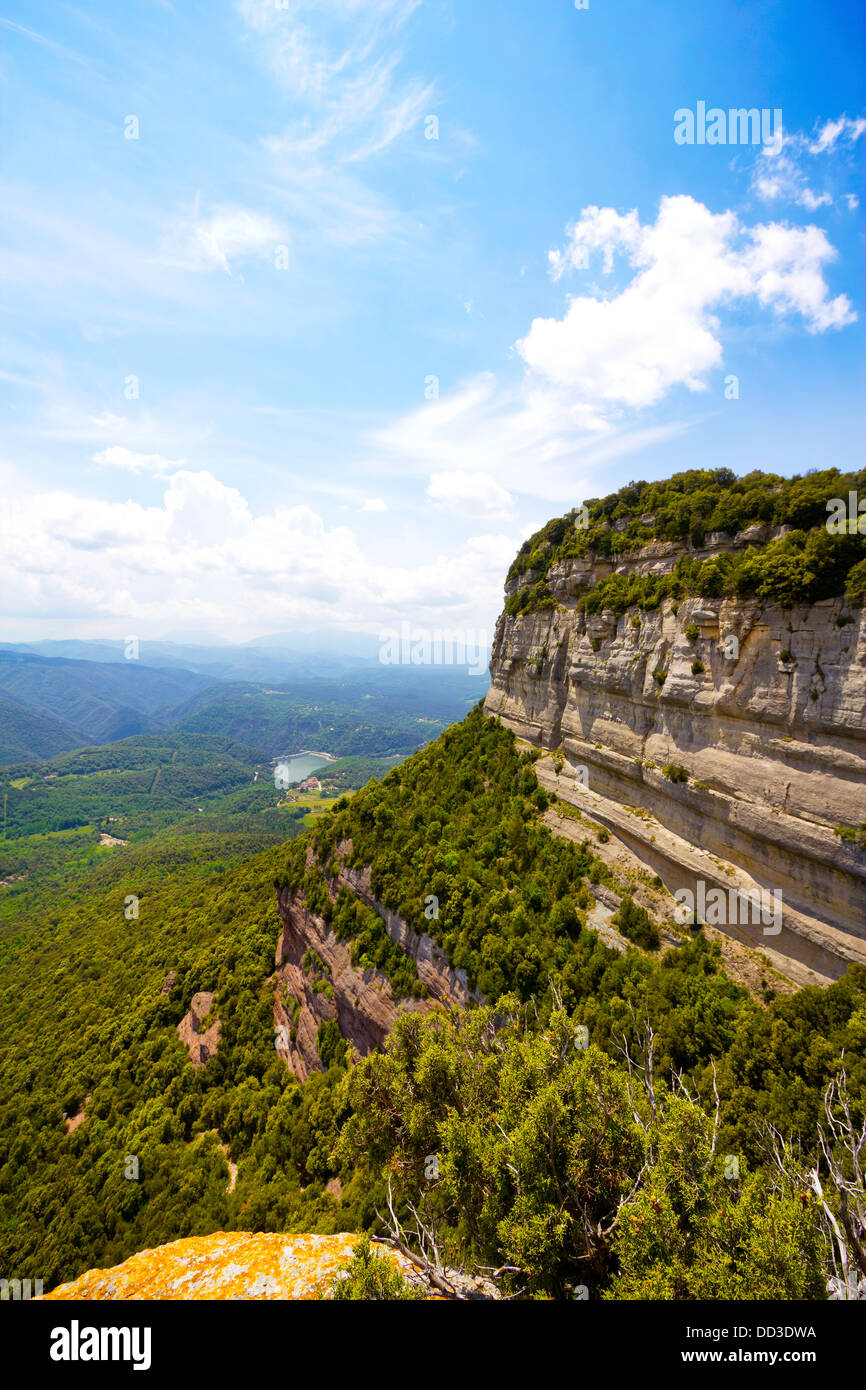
{"x":361,"y":1002}
{"x":201,"y":1044}
{"x":228,"y":1266}
{"x":770,"y":728}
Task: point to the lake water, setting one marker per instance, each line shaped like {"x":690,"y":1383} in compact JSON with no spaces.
{"x":297,"y":768}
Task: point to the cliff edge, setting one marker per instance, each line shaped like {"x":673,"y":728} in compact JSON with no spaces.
{"x":723,"y":740}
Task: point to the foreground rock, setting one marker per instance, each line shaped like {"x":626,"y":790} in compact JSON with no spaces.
{"x":235,"y":1265}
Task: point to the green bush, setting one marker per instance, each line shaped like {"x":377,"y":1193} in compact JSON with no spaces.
{"x":855,"y":587}
{"x":371,"y":1278}
{"x":852,"y":834}
{"x":635,"y":923}
{"x":675,"y":772}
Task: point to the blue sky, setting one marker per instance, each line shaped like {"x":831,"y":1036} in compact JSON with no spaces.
{"x":224,"y":339}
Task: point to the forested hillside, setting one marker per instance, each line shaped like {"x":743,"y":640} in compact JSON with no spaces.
{"x":536,"y":1086}
{"x":375,"y":714}
{"x":101,"y":700}
{"x":27,"y":734}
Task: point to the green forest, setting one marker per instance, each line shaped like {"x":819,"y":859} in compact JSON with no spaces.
{"x":534,"y":1106}
{"x":805,"y":565}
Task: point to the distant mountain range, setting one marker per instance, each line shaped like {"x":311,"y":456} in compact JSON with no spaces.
{"x":58,"y":696}
{"x":283,"y":656}
{"x":94,"y":702}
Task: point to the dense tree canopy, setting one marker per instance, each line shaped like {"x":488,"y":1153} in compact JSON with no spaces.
{"x":807,"y":564}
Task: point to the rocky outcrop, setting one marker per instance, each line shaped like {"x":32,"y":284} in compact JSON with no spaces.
{"x":331,"y":989}
{"x":763,"y":709}
{"x":198,"y":1030}
{"x":72,"y":1122}
{"x":228,"y":1266}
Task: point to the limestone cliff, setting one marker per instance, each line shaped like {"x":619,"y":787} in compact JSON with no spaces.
{"x":331,"y":989}
{"x":764,"y":710}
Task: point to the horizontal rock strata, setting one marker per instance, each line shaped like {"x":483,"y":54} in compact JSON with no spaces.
{"x":770,"y":730}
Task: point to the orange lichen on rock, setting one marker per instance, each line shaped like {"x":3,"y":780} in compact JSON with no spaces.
{"x":228,"y":1265}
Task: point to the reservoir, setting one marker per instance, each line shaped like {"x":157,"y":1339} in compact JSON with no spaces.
{"x":297,"y":767}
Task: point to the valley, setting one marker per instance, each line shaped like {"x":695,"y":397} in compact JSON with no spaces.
{"x":285,"y":984}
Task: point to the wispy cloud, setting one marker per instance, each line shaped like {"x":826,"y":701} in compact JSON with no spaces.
{"x":470,"y":495}
{"x":207,"y":242}
{"x":831,"y":132}
{"x":786,"y":169}
{"x":117,"y":456}
{"x":58,"y":49}
{"x":339,"y":63}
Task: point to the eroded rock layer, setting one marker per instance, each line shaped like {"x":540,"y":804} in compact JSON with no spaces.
{"x":329,"y":988}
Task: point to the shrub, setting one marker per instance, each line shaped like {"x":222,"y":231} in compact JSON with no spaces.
{"x":855,"y":588}
{"x":693,"y":632}
{"x":675,"y":772}
{"x":370,"y":1277}
{"x":853,"y":835}
{"x":635,"y":923}
{"x":697,"y":667}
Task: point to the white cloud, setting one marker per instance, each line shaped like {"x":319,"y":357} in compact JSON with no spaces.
{"x":470,"y":495}
{"x":117,"y":456}
{"x":228,"y":234}
{"x":374,"y":504}
{"x":661,"y":330}
{"x":784,"y":269}
{"x":204,"y":556}
{"x":783,"y":170}
{"x":611,"y":355}
{"x":831,"y":131}
{"x":597,"y":229}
